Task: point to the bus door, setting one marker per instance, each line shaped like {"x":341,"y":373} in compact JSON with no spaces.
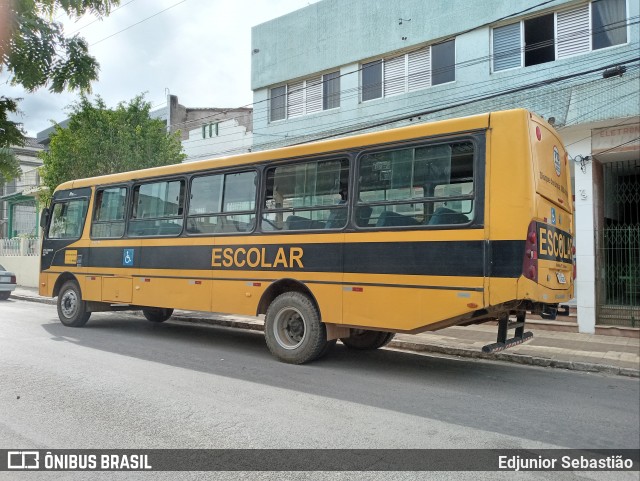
{"x":62,"y":247}
{"x":114,"y":259}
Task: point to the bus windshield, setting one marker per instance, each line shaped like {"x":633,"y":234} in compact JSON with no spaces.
{"x":67,"y":219}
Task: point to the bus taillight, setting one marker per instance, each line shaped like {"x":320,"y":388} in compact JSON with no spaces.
{"x":530,"y":262}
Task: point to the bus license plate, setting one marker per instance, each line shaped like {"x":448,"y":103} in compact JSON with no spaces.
{"x":561,"y":278}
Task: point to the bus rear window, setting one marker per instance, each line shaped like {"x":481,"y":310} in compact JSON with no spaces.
{"x":67,"y":219}
{"x":417,"y":186}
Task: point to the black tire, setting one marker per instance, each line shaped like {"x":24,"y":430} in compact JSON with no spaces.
{"x":365,"y":340}
{"x":293,"y":330}
{"x":72,"y":310}
{"x":4,"y":295}
{"x":390,"y":336}
{"x":157,"y":314}
{"x":327,"y":348}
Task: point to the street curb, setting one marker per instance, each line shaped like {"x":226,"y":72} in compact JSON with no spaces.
{"x":40,"y":300}
{"x":525,"y":359}
{"x":452,"y":351}
{"x":418,"y":347}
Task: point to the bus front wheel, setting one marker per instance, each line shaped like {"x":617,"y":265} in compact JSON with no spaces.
{"x":157,"y":314}
{"x":72,"y":310}
{"x":293,"y":330}
{"x":364,"y":340}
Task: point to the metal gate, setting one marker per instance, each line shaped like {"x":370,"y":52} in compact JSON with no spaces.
{"x":24,"y":219}
{"x":618,"y":247}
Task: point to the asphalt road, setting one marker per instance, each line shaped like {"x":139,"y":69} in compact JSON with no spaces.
{"x":123,"y":382}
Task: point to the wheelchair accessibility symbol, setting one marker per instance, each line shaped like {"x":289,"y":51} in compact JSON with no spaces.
{"x":127,"y":257}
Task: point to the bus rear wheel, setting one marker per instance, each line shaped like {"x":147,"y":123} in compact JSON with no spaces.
{"x":365,"y":340}
{"x":157,"y":314}
{"x":72,"y":310}
{"x":293,"y":330}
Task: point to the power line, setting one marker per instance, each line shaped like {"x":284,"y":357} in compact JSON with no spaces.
{"x":436,"y":109}
{"x":441,"y":110}
{"x":138,"y":23}
{"x":449,"y":92}
{"x":101,"y":18}
{"x":303,"y":117}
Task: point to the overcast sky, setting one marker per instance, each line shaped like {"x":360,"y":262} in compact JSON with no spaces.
{"x":200,"y":50}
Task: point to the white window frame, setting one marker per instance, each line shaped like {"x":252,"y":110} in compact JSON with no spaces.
{"x":305,"y":84}
{"x":406,"y":86}
{"x":555,"y":37}
{"x":382,"y":92}
{"x":322,"y":83}
{"x":491,"y":40}
{"x":286,"y":96}
{"x":455,"y":56}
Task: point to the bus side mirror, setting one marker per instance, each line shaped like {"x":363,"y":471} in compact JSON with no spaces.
{"x":44,"y":218}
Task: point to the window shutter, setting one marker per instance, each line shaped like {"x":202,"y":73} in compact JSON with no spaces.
{"x":295,"y":99}
{"x":506,"y":47}
{"x":394,"y":76}
{"x":314,"y":95}
{"x":573,"y":34}
{"x":419,"y":69}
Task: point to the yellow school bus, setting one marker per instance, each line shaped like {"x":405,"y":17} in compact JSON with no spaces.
{"x":406,"y":230}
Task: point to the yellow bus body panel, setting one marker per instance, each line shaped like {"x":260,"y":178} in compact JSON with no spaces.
{"x":521,"y":186}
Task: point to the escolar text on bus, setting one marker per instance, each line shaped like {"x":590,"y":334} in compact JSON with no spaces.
{"x":254,"y":257}
{"x":555,"y":244}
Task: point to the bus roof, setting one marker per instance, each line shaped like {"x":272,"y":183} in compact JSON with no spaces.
{"x":441,"y":127}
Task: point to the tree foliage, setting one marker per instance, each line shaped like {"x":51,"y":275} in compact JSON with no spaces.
{"x":98,"y":140}
{"x":11,"y":134}
{"x":36,"y":53}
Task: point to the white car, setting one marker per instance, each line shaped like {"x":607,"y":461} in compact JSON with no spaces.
{"x":7,"y":283}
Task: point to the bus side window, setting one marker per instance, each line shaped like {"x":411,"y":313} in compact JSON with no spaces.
{"x":417,"y":186}
{"x":157,"y":209}
{"x":306,"y":196}
{"x":108,"y":218}
{"x":222,"y":203}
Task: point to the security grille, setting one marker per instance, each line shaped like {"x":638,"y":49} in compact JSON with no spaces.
{"x":618,"y":273}
{"x":24,"y":219}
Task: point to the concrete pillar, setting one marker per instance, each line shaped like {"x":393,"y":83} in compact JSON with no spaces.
{"x":585,"y":248}
{"x":24,"y":246}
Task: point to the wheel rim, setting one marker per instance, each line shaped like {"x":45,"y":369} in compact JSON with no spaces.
{"x":69,"y":303}
{"x":289,"y":328}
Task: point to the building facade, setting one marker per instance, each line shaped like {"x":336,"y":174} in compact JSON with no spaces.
{"x":205,"y":132}
{"x":208,"y":132}
{"x":337,"y":67}
{"x":18,"y":206}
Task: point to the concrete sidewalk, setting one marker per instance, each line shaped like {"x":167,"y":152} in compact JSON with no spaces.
{"x":549,"y":348}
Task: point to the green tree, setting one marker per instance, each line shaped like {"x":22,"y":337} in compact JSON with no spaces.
{"x":36,"y":53}
{"x":11,"y":134}
{"x":99,"y":141}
